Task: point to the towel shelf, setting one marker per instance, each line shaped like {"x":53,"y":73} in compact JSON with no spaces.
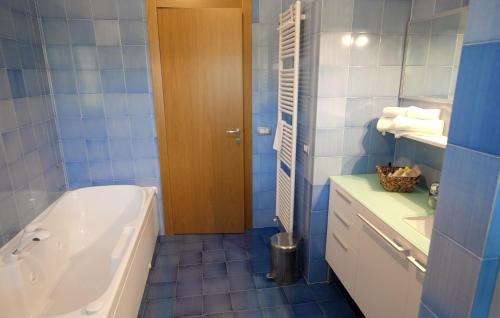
{"x":436,"y":141}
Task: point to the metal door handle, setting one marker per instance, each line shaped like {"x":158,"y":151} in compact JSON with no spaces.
{"x":342,"y":244}
{"x":394,"y":245}
{"x":416,"y":263}
{"x":233,"y":132}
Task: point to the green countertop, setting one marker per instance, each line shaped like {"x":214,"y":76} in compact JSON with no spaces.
{"x":390,"y":207}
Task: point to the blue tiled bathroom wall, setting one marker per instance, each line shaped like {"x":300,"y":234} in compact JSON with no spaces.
{"x":264,"y":108}
{"x":467,"y":228}
{"x":31,"y":173}
{"x":360,"y":57}
{"x":98,"y":61}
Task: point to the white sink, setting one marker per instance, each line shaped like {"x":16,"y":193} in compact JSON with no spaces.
{"x":423,"y":224}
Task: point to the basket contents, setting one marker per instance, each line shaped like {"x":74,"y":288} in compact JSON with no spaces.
{"x":398,"y":179}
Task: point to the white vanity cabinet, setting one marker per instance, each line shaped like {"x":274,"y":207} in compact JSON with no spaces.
{"x":375,"y":264}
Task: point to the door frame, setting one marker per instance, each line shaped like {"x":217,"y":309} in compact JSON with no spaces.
{"x":156,"y":79}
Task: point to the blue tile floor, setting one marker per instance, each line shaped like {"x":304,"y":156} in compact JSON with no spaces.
{"x":224,"y":276}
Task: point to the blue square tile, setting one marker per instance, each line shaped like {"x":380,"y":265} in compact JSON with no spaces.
{"x":278,"y":312}
{"x":77,"y":172}
{"x":241,"y":283}
{"x":337,"y":309}
{"x":78,"y":9}
{"x":55,"y":31}
{"x":255,"y":313}
{"x":261,"y":265}
{"x":238,"y":268}
{"x":74,"y":150}
{"x":319,"y":221}
{"x":147,"y":168}
{"x":100,"y":171}
{"x":91,"y":105}
{"x":425,"y":312}
{"x":468,"y":184}
{"x":104,"y":9}
{"x":187,"y":288}
{"x":81,"y":32}
{"x":137,"y":80}
{"x":216,"y":304}
{"x":190,"y":272}
{"x":107,"y":32}
{"x":142,"y":126}
{"x":97,"y":150}
{"x":188,"y":306}
{"x":27,"y":56}
{"x":236,"y":255}
{"x":483,"y":22}
{"x":318,"y":270}
{"x":129,"y":9}
{"x":190,"y":258}
{"x":63,"y":82}
{"x":320,"y":196}
{"x":134,"y":57}
{"x":88,"y":82}
{"x":146,"y":148}
{"x":244,"y":300}
{"x":473,"y":123}
{"x":485,"y":288}
{"x":10,"y":52}
{"x":120,"y":149}
{"x":115,"y":105}
{"x":162,"y":291}
{"x":95,"y":128}
{"x":59,"y":57}
{"x":170,"y":248}
{"x":85,"y":57}
{"x":215,"y":256}
{"x":167,"y":260}
{"x":16,"y":82}
{"x":123,"y":169}
{"x":132,"y":32}
{"x":71,"y":128}
{"x":159,"y":308}
{"x":317,"y":244}
{"x":214,"y":270}
{"x":298,"y":294}
{"x":113,"y":81}
{"x":308,"y":310}
{"x":325,"y":292}
{"x":271,"y":297}
{"x":67,"y":105}
{"x":118,"y":127}
{"x":51,"y":8}
{"x":110,"y":57}
{"x":163,"y":274}
{"x":215,"y":285}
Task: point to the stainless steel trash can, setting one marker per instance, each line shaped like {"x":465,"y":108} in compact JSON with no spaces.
{"x":284,"y":258}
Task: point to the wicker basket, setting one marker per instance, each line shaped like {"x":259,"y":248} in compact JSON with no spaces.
{"x":396,"y":184}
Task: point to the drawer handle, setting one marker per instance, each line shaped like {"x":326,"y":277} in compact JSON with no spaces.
{"x":396,"y":246}
{"x":341,"y":218}
{"x":344,"y":246}
{"x":343,"y":196}
{"x":416,"y":263}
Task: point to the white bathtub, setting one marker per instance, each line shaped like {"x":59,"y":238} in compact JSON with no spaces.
{"x":95,"y":262}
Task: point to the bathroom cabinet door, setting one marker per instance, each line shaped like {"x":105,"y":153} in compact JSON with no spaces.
{"x":381,"y":277}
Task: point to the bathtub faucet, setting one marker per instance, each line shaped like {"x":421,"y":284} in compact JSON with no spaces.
{"x":31,"y":233}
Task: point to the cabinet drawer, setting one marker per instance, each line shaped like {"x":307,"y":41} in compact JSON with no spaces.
{"x":346,"y":228}
{"x":343,"y":203}
{"x":342,"y":259}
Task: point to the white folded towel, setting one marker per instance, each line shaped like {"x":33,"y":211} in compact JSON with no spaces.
{"x":422,"y":113}
{"x":384,"y":124}
{"x":278,"y":136}
{"x":412,"y":125}
{"x":391,"y":112}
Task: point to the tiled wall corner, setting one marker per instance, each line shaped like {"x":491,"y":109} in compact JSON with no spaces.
{"x":31,"y":173}
{"x":264,"y":108}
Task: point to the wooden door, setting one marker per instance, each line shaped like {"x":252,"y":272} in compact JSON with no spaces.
{"x":202,"y":75}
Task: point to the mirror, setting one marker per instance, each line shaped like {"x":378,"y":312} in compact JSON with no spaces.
{"x":432,"y":55}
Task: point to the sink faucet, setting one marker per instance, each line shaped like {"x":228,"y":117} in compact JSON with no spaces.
{"x":433,"y":195}
{"x":31,"y":233}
